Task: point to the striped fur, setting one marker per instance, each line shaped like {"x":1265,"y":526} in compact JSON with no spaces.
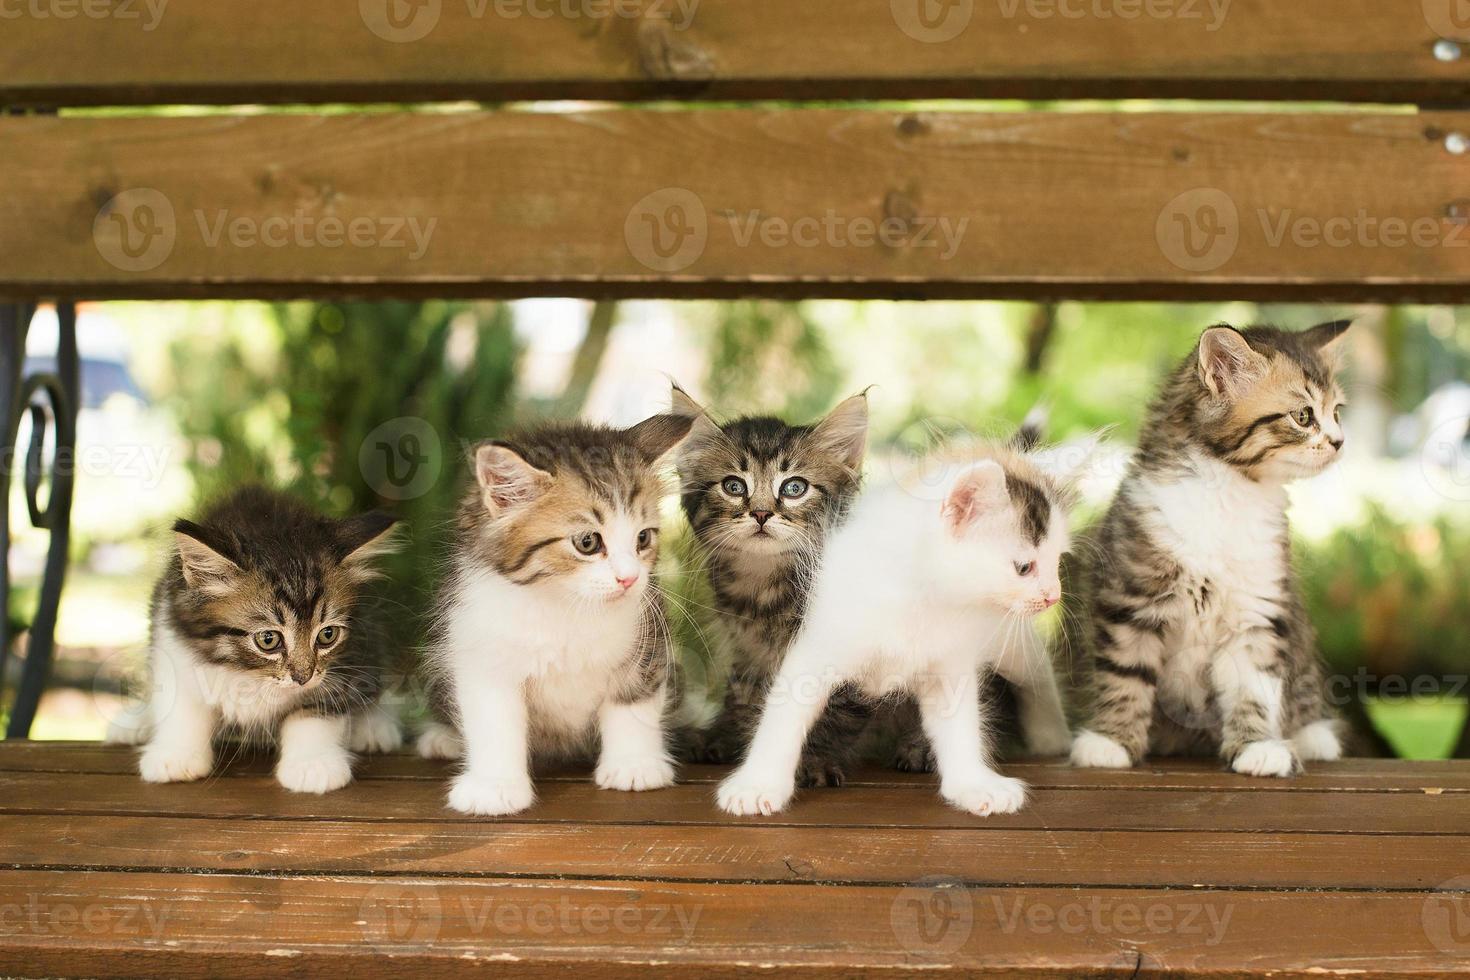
{"x":1187,"y":618}
{"x":760,"y":580}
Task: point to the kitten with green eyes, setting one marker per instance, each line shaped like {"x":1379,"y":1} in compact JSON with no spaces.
{"x":762,"y":496}
{"x":259,"y":625}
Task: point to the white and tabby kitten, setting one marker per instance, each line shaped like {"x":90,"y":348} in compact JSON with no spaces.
{"x":550,"y":634}
{"x":917,"y":593}
{"x":1196,"y":635}
{"x":260,"y":627}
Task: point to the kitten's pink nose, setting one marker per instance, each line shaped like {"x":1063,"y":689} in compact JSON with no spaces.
{"x":626,"y":582}
{"x":1051,"y":600}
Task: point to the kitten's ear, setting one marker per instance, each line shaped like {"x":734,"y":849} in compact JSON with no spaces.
{"x":1328,"y":338}
{"x":1069,"y":462}
{"x":703,"y":431}
{"x":204,"y":563}
{"x":660,"y":435}
{"x":366,"y":538}
{"x":1227,"y":364}
{"x":506,"y":480}
{"x":844,"y":432}
{"x":980,"y":490}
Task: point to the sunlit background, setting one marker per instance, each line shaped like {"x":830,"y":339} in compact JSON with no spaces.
{"x":185,"y":399}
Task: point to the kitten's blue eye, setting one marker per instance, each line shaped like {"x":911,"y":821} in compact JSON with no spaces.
{"x":794,"y":488}
{"x":589,"y":543}
{"x":328,"y":636}
{"x":268,"y":641}
{"x":1025,"y":568}
{"x":645,"y":538}
{"x":734,"y":486}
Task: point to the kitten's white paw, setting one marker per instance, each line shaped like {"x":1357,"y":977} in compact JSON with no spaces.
{"x":490,"y":797}
{"x":985,"y":795}
{"x":1267,"y":758}
{"x":1318,"y":742}
{"x":1048,"y":741}
{"x":746,"y":795}
{"x":440,"y":742}
{"x":320,"y":772}
{"x":635,"y":774}
{"x":1094,"y":751}
{"x":175,"y":764}
{"x":375,"y":730}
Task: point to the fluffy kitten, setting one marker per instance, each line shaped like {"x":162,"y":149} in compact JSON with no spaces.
{"x":550,"y":629}
{"x":917,"y":592}
{"x":259,"y":625}
{"x":1197,"y":636}
{"x":762,"y":496}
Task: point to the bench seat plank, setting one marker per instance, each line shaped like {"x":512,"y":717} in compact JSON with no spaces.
{"x":1239,"y":811}
{"x":174,"y":924}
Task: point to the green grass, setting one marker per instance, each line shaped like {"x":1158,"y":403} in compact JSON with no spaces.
{"x":1419,"y":728}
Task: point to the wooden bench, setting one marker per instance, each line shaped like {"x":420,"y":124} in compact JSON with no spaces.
{"x":1355,"y":867}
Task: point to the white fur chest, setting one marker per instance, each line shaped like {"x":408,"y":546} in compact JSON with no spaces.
{"x":1225,"y":533}
{"x":562,"y":655}
{"x":241,"y":698}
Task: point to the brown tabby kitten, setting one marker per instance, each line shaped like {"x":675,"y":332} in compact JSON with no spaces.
{"x":551,"y":637}
{"x":762,"y":496}
{"x":258,"y":624}
{"x":1197,"y":636}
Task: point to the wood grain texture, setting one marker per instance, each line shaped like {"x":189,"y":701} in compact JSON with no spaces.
{"x":202,"y":51}
{"x":793,"y":855}
{"x":102,"y":875}
{"x":264,"y":926}
{"x":1347,"y":775}
{"x":1240,"y":811}
{"x":783,"y":203}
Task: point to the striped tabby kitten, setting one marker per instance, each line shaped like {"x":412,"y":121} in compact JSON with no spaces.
{"x":1198,"y":638}
{"x":762,"y":496}
{"x":258,"y":624}
{"x":550,"y":629}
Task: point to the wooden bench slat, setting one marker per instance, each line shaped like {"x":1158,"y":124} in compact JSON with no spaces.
{"x":200,"y":51}
{"x":159,"y":924}
{"x":1084,"y":205}
{"x":561,"y":802}
{"x":733,"y":853}
{"x":1347,"y":775}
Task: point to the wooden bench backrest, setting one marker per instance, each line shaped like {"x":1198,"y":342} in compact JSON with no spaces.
{"x":1367,"y":202}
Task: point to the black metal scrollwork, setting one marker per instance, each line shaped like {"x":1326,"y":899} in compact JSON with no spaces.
{"x":52,"y":400}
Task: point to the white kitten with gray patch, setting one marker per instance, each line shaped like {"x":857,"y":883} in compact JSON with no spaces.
{"x":917,"y":593}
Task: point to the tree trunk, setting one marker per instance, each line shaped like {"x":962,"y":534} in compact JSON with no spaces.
{"x":1038,"y":337}
{"x":588,"y":359}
